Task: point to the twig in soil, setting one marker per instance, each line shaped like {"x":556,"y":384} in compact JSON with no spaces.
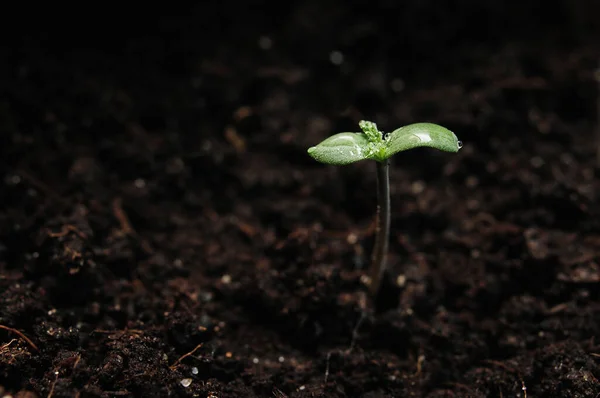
{"x":77,"y":360}
{"x":177,"y":362}
{"x":235,"y":140}
{"x":327,"y":366}
{"x":53,"y":384}
{"x":117,"y":334}
{"x":363,"y":315}
{"x":5,"y":346}
{"x":21,"y":335}
{"x":420,"y":361}
{"x":121,"y":216}
{"x":66,"y":228}
{"x":372,"y":144}
{"x":277,"y":393}
{"x":117,"y":206}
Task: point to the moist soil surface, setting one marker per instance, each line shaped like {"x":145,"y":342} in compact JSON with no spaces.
{"x":163,"y":231}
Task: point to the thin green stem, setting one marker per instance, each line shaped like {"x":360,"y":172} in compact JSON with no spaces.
{"x":382,"y":229}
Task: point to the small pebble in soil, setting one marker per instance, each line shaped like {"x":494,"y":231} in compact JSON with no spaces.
{"x":255,"y":360}
{"x":281,"y":359}
{"x":566,"y":158}
{"x":401,"y":280}
{"x":472,"y":204}
{"x":265,"y":42}
{"x":175,"y":166}
{"x":336,"y":57}
{"x":206,"y":296}
{"x":397,"y":85}
{"x":12,"y":179}
{"x":186,"y":382}
{"x":226,"y":279}
{"x":536,"y":162}
{"x":417,"y":187}
{"x":139,"y":183}
{"x":194,"y":370}
{"x":365,"y":280}
{"x":352,"y":238}
{"x":471,"y":181}
{"x":207,"y":146}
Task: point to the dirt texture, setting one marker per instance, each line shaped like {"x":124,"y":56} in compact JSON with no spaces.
{"x":163,"y":232}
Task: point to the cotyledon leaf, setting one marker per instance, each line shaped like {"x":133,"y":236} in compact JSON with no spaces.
{"x":341,"y":149}
{"x":418,"y":135}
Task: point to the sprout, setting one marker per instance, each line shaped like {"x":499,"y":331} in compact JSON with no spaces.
{"x":346,"y":148}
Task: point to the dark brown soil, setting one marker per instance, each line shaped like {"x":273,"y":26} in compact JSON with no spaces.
{"x":164,"y":233}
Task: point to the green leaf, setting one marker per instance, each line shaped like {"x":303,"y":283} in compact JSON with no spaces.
{"x":346,"y":148}
{"x":421,"y":135}
{"x":341,"y":149}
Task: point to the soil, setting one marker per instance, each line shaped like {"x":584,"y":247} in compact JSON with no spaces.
{"x":163,"y":231}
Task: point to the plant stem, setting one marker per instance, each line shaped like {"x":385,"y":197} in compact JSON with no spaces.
{"x":382,"y":229}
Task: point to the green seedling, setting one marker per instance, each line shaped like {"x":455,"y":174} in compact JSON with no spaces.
{"x":372,"y":144}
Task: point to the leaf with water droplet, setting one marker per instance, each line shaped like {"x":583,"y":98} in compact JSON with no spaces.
{"x":421,"y":135}
{"x":341,"y":149}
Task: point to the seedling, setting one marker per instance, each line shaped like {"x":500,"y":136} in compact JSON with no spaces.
{"x":372,"y":144}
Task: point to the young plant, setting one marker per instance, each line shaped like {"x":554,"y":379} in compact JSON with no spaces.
{"x":346,"y":148}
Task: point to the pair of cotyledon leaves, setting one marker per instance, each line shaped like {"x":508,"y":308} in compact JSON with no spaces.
{"x":346,"y":148}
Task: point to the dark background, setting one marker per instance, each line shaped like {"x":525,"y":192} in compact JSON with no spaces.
{"x":157,"y":199}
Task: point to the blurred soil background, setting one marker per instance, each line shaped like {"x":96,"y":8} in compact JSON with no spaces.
{"x":163,"y":232}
